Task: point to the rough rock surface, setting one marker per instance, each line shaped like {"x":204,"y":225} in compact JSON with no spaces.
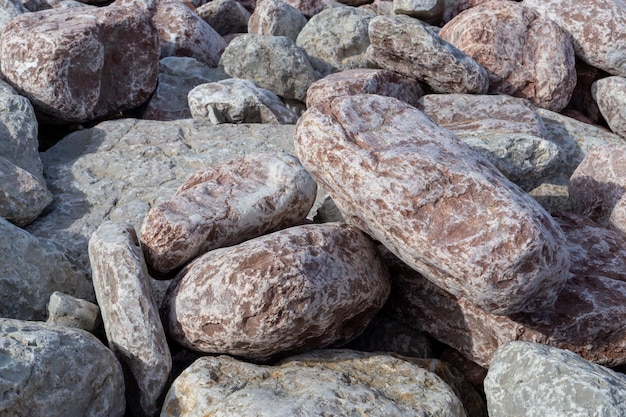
{"x":225,"y":205}
{"x":326,"y":382}
{"x":568,"y":385}
{"x":79,"y":64}
{"x":429,"y":11}
{"x":272,"y":62}
{"x":426,"y":195}
{"x":118,"y":169}
{"x":225,"y":16}
{"x":9,"y":9}
{"x":297,"y":289}
{"x":181,"y":31}
{"x":308,"y":8}
{"x":238,"y":101}
{"x":177,"y":77}
{"x":410,"y":47}
{"x":31,"y":269}
{"x":56,"y":371}
{"x":276,"y":18}
{"x":364,"y":81}
{"x":344,"y":42}
{"x":610,"y":94}
{"x":509,"y":40}
{"x":130,"y":315}
{"x":68,"y":311}
{"x":598,"y":185}
{"x":583,"y":318}
{"x":597,"y":28}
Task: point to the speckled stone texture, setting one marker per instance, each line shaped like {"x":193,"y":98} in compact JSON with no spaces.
{"x":344,"y":41}
{"x":130,"y":315}
{"x":364,"y":81}
{"x":610,"y":94}
{"x":327,"y":382}
{"x":225,"y":205}
{"x":297,"y":289}
{"x":525,"y":54}
{"x":567,"y":385}
{"x":429,"y":198}
{"x":410,"y":47}
{"x":276,"y":18}
{"x":56,"y":371}
{"x":585,"y":319}
{"x":597,"y":28}
{"x":79,"y":64}
{"x":68,"y":311}
{"x":308,"y":8}
{"x":238,"y":101}
{"x":597,"y":187}
{"x":272,"y":62}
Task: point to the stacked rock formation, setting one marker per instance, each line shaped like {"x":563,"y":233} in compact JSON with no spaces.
{"x":299,"y":207}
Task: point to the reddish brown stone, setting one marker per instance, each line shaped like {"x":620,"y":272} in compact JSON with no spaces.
{"x":587,"y":317}
{"x":434,"y":202}
{"x":296,"y":289}
{"x":79,"y":64}
{"x":225,"y":205}
{"x":364,"y":81}
{"x":598,"y":185}
{"x":525,"y":55}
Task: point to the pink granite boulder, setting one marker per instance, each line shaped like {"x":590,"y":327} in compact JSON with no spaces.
{"x":79,"y":64}
{"x":297,"y":289}
{"x":525,"y":54}
{"x":610,"y":95}
{"x":363,"y":81}
{"x":434,"y":202}
{"x":225,"y":205}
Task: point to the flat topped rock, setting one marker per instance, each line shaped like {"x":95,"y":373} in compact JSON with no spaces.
{"x":431,"y":200}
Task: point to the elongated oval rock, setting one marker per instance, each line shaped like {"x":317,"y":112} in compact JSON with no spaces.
{"x":225,"y":205}
{"x":130,"y":315}
{"x":435,"y":203}
{"x":301,"y":288}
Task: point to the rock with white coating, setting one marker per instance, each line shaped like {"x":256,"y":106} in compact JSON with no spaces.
{"x":225,"y":205}
{"x":428,"y":197}
{"x":68,"y":311}
{"x":568,"y":385}
{"x":610,"y":95}
{"x":129,"y":313}
{"x":56,"y":371}
{"x":333,"y":382}
{"x":238,"y":101}
{"x":297,"y":289}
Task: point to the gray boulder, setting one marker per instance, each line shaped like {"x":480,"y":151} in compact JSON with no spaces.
{"x":276,"y":18}
{"x":225,"y":16}
{"x":610,"y":94}
{"x":56,"y":371}
{"x":68,"y":311}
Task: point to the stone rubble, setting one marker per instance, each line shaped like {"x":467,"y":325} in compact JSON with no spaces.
{"x":460,"y":135}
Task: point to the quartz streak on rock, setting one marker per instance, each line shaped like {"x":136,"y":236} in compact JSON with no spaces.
{"x":130,"y":315}
{"x":225,"y":205}
{"x":434,"y":202}
{"x":525,"y":55}
{"x":328,"y":382}
{"x":300,"y":288}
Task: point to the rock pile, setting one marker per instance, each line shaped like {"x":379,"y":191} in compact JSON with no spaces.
{"x":301,"y":207}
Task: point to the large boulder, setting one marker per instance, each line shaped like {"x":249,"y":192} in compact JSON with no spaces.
{"x":430,"y":199}
{"x":104,"y":62}
{"x":276,"y":18}
{"x":301,"y":288}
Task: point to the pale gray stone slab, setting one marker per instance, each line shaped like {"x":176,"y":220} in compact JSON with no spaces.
{"x":55,"y":371}
{"x":68,"y":311}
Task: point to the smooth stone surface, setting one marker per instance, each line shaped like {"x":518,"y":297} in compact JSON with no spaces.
{"x":238,"y":101}
{"x":225,"y":16}
{"x":55,"y":371}
{"x":525,"y":54}
{"x":31,"y":269}
{"x":225,"y":205}
{"x":68,"y":311}
{"x":272,"y":62}
{"x":429,"y":11}
{"x":333,"y":382}
{"x":118,"y":169}
{"x":610,"y":94}
{"x":130,"y":315}
{"x":568,"y":385}
{"x":297,"y":289}
{"x":78,"y":64}
{"x":410,"y":47}
{"x":276,"y":18}
{"x":362,"y":150}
